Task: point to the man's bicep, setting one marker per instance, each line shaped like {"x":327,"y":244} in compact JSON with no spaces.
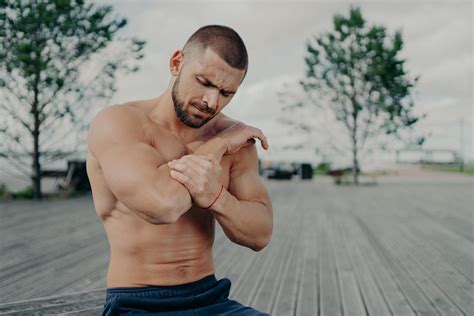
{"x":129,"y":165}
{"x":126,"y":161}
{"x":133,"y":177}
{"x":245,"y":182}
{"x":130,"y":169}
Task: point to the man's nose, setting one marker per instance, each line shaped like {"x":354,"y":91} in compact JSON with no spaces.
{"x":211,"y":98}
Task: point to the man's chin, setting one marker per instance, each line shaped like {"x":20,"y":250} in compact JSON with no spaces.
{"x":195,"y":124}
{"x":202,"y":121}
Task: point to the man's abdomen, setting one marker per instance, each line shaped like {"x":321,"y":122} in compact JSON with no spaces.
{"x":145,"y":254}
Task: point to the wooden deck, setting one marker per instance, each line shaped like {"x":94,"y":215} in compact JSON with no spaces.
{"x":403,"y":247}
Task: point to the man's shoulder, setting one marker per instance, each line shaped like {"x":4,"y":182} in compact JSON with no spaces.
{"x":121,"y":116}
{"x":119,"y":111}
{"x":118,"y":122}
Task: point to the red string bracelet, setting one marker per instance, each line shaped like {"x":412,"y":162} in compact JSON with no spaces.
{"x":222,"y":188}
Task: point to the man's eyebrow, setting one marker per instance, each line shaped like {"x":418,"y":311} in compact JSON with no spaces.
{"x":209,"y":82}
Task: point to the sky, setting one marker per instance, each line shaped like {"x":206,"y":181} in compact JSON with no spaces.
{"x":438,"y":47}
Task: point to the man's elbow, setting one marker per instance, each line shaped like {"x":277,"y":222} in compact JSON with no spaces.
{"x":260,"y":244}
{"x":170,"y":212}
{"x":262,"y":241}
{"x":265,"y":235}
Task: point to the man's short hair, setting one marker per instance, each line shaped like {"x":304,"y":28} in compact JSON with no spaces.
{"x":224,"y":41}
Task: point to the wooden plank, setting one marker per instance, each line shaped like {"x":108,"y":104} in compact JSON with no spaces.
{"x":95,"y":311}
{"x":351,"y":297}
{"x":395,"y":298}
{"x":252,"y":272}
{"x":373,"y":298}
{"x":330,"y":291}
{"x":263,"y":298}
{"x":425,"y":224}
{"x":239,"y":272}
{"x":455,"y":286}
{"x":220,"y":241}
{"x":265,"y":289}
{"x":286,"y":297}
{"x":253,"y":284}
{"x":245,"y":291}
{"x":61,"y":270}
{"x":61,"y":308}
{"x":54,"y":255}
{"x":436,"y":296}
{"x":226,"y":259}
{"x":437,"y":258}
{"x":454,"y":249}
{"x":307,"y":303}
{"x":48,"y":252}
{"x":418,"y":299}
{"x":34,"y":304}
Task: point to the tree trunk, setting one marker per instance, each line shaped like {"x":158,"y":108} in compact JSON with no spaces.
{"x":355,"y":113}
{"x":355,"y":163}
{"x":37,"y":194}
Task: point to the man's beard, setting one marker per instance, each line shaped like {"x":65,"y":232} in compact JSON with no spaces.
{"x":183,"y":116}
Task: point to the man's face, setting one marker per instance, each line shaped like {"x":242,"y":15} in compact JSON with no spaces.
{"x":203,"y":87}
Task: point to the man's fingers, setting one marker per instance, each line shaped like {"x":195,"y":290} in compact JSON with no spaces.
{"x":188,"y":169}
{"x":192,"y":162}
{"x":179,"y":165}
{"x":181,"y":177}
{"x":266,"y":145}
{"x":262,"y":137}
{"x":212,"y":159}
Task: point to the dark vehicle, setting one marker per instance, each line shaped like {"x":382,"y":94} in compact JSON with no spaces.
{"x":285,"y":171}
{"x":306,"y":171}
{"x":280,"y":174}
{"x":279,"y":171}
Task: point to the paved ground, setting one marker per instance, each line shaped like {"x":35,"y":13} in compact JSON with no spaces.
{"x":402,"y":247}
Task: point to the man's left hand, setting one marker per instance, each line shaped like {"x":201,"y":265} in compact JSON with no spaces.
{"x":201,"y":175}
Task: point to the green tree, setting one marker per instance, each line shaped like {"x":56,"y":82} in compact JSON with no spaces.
{"x":357,"y":68}
{"x":58,"y":58}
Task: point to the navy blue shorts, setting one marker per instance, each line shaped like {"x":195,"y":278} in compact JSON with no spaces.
{"x":207,"y":296}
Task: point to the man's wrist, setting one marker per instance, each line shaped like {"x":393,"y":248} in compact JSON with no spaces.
{"x":221,"y":145}
{"x":215,"y":146}
{"x":219,"y":207}
{"x":217,"y":197}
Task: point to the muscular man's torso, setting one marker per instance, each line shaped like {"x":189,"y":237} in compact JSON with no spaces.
{"x":146,"y":254}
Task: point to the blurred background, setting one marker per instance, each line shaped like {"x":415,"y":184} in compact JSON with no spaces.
{"x":302,"y":125}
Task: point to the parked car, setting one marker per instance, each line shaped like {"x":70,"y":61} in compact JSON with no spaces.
{"x":286,"y":170}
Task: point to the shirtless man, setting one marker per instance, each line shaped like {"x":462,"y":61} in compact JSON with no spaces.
{"x":163,"y":170}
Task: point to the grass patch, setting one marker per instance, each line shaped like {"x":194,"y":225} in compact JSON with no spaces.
{"x":27,"y":194}
{"x":319,"y":172}
{"x":450,"y":168}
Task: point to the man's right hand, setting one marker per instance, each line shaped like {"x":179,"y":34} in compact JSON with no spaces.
{"x":240,"y":135}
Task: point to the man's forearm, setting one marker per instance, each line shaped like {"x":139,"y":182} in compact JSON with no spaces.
{"x":215,"y":146}
{"x":247,"y":223}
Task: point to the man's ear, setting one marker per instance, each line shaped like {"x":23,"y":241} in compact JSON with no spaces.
{"x":176,"y":62}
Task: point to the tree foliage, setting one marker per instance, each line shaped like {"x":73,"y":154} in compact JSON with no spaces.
{"x":358,"y":69}
{"x":58,"y":58}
